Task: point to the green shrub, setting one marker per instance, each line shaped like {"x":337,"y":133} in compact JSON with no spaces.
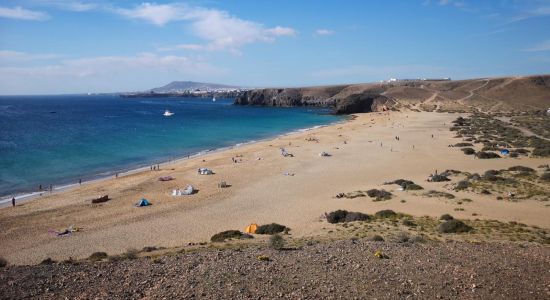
{"x":386,"y":213}
{"x":438,"y":194}
{"x":47,"y":261}
{"x":376,"y":238}
{"x":149,"y":249}
{"x":401,"y":182}
{"x":379,"y":195}
{"x":226,"y":235}
{"x":131,"y":253}
{"x":541,"y":152}
{"x":342,"y":216}
{"x":453,"y":226}
{"x":463,"y":145}
{"x":462,"y":185}
{"x":276,"y":242}
{"x":97,"y":256}
{"x":408,"y":222}
{"x":468,"y":151}
{"x":272,"y":228}
{"x":446,"y":217}
{"x":413,"y":187}
{"x":491,"y":172}
{"x":521,"y":169}
{"x":545,"y":176}
{"x":486,"y":155}
{"x":400,"y":237}
{"x":439,"y":178}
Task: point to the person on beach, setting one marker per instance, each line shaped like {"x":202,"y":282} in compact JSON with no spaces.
{"x":40,"y":187}
{"x":13,"y":201}
{"x":116,"y":175}
{"x":51,"y":188}
{"x":80,"y":181}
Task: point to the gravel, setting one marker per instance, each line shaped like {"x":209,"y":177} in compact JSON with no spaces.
{"x":340,"y":269}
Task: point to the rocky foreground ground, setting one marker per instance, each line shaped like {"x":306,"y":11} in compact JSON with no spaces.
{"x":341,"y":269}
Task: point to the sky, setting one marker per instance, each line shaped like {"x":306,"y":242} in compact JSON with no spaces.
{"x":80,"y":46}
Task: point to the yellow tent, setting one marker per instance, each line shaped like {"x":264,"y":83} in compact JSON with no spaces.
{"x":251,"y":228}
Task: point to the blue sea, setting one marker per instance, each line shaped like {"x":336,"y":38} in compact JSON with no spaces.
{"x":58,"y":140}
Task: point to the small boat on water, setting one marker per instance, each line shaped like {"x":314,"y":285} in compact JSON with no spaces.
{"x":168,"y":113}
{"x":214,"y":99}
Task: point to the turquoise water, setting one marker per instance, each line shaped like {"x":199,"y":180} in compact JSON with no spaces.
{"x":59,"y":139}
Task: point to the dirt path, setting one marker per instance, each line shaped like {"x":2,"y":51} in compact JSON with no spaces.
{"x":524,"y":130}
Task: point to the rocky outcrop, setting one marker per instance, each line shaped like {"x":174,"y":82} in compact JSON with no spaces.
{"x":273,"y":97}
{"x":360,"y":103}
{"x":288,"y":97}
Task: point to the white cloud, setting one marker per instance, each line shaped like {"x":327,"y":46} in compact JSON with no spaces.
{"x":452,"y":2}
{"x":324,"y":32}
{"x":104,"y":73}
{"x":281,"y":31}
{"x":20,"y":13}
{"x":12,"y":56}
{"x":158,"y":14}
{"x":190,"y":47}
{"x":219,"y":29}
{"x":544,"y":46}
{"x":70,"y":5}
{"x":538,"y":11}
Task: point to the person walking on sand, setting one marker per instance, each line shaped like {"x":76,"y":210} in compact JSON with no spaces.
{"x":80,"y":181}
{"x":13,"y":201}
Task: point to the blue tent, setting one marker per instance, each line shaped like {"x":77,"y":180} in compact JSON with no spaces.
{"x":505,"y":151}
{"x":143,"y":202}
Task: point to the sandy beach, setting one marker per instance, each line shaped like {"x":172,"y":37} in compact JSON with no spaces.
{"x":364,"y":154}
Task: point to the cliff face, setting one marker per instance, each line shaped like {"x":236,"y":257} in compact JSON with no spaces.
{"x":486,"y":94}
{"x":288,"y":97}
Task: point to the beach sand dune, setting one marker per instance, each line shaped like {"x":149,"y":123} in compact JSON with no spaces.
{"x":364,"y":155}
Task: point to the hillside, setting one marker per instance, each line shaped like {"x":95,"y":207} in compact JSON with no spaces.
{"x":487,"y":94}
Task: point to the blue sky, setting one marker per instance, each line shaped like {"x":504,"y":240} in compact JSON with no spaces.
{"x":73,"y":46}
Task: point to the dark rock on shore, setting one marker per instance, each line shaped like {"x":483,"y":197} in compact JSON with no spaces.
{"x":330,"y":98}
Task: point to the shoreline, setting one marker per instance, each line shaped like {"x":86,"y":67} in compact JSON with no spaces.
{"x":23,"y":197}
{"x":260,"y":192}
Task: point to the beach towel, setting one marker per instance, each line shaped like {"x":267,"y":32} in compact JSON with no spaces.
{"x":166,"y":178}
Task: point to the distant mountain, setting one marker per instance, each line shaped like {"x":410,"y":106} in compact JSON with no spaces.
{"x":178,"y":86}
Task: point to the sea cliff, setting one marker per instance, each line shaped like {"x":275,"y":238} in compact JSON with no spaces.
{"x":505,"y":94}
